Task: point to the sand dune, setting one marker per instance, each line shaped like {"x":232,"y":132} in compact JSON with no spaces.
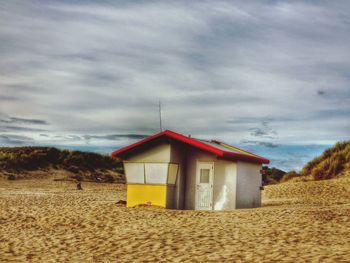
{"x":46,"y":221}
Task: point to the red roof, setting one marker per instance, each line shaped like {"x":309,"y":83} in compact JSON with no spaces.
{"x":221,"y":150}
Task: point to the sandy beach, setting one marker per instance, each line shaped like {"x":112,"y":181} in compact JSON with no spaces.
{"x":47,"y":221}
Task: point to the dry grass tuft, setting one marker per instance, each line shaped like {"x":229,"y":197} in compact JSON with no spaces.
{"x":332,"y":163}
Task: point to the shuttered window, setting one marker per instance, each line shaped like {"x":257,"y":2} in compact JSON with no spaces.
{"x":151,"y":173}
{"x":135,"y":173}
{"x":156,"y":173}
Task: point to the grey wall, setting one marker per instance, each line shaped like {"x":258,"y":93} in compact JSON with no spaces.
{"x":224,"y":188}
{"x":178,"y":154}
{"x":248,"y":185}
{"x":193,"y":156}
{"x":171,"y":197}
{"x":225,"y":176}
{"x":158,"y":153}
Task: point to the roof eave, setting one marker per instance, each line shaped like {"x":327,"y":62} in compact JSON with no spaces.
{"x":131,"y":146}
{"x":243,"y":157}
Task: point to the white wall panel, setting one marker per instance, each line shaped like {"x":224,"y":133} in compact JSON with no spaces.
{"x":135,"y":173}
{"x":156,"y":173}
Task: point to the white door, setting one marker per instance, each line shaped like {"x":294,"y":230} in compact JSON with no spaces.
{"x":204,"y":186}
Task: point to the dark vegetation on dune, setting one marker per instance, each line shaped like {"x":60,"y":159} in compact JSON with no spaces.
{"x":23,"y":162}
{"x":272,"y":175}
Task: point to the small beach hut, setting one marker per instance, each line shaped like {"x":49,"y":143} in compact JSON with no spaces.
{"x":175,"y":171}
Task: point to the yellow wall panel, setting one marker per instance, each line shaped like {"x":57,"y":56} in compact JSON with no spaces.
{"x":146,"y":194}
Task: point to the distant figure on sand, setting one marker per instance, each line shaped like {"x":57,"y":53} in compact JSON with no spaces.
{"x":79,"y":185}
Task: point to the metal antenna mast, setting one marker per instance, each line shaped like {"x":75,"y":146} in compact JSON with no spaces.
{"x":160,"y":116}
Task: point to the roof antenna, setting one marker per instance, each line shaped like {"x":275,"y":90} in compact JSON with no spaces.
{"x":160,"y":116}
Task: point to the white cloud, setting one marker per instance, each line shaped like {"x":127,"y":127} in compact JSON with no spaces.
{"x":100,"y":68}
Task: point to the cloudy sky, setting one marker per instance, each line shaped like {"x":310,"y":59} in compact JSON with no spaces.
{"x":270,"y":76}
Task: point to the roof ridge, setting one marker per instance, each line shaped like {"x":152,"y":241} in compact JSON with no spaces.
{"x":236,"y":148}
